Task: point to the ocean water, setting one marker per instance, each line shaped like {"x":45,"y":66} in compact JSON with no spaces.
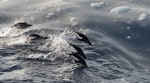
{"x":119,"y":31}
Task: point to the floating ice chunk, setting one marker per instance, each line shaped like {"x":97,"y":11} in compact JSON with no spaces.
{"x":120,"y":9}
{"x":128,"y":37}
{"x":143,"y":17}
{"x":97,"y":5}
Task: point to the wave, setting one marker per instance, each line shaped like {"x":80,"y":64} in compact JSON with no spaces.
{"x":118,"y":31}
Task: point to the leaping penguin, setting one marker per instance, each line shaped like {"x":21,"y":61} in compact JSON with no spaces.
{"x":79,"y":50}
{"x":22,"y":25}
{"x":79,"y":59}
{"x":83,"y":38}
{"x":36,"y":37}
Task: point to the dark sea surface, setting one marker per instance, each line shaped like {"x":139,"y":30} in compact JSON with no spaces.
{"x":118,"y":30}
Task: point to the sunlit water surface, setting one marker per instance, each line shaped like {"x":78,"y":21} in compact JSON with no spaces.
{"x":119,"y":31}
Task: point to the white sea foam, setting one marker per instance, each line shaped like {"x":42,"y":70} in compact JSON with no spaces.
{"x":4,"y":31}
{"x":17,"y":41}
{"x":59,"y":45}
{"x":17,"y":74}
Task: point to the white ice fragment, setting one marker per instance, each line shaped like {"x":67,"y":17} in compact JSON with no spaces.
{"x":50,"y":15}
{"x":73,"y":19}
{"x":120,"y":9}
{"x":97,"y":5}
{"x":128,"y":27}
{"x":142,"y":17}
{"x":128,"y":37}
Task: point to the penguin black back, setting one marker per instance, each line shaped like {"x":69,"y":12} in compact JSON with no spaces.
{"x":80,"y":59}
{"x":22,"y":25}
{"x":36,"y":36}
{"x":79,"y":51}
{"x":84,"y":38}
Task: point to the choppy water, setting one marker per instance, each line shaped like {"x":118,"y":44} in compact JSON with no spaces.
{"x":119,"y":31}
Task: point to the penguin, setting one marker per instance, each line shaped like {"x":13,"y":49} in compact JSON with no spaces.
{"x":22,"y":25}
{"x":83,"y":38}
{"x":78,"y":59}
{"x":36,"y":36}
{"x":79,"y":50}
